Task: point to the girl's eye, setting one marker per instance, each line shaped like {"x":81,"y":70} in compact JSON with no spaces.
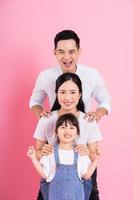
{"x":72,"y":127}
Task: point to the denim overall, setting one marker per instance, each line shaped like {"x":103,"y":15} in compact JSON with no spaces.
{"x":66,"y":184}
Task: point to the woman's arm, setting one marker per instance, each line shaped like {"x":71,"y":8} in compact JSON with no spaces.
{"x":90,"y":170}
{"x":32,"y":155}
{"x":93,"y":150}
{"x":43,"y":149}
{"x":93,"y":154}
{"x":38,"y":148}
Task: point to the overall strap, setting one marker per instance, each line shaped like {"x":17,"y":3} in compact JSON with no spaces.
{"x":75,"y":158}
{"x":56,"y":154}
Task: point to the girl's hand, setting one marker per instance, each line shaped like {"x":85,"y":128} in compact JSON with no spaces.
{"x":47,"y":149}
{"x":82,"y":150}
{"x":31,"y":152}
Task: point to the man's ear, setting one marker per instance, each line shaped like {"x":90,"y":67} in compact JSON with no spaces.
{"x":80,"y":51}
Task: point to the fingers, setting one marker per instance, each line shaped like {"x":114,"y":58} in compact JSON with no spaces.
{"x":30,"y":151}
{"x":92,"y":116}
{"x":81,"y":149}
{"x":45,"y":114}
{"x":47,"y":149}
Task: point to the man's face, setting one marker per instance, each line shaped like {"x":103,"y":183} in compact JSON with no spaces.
{"x":67,"y":55}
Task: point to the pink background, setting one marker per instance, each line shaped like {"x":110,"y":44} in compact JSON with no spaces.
{"x":27,"y":28}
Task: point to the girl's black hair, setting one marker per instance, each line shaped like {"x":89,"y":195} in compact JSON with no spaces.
{"x":65,"y":119}
{"x":62,"y":79}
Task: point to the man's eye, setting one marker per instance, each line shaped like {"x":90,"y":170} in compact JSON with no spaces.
{"x":61,"y":52}
{"x":71,"y":52}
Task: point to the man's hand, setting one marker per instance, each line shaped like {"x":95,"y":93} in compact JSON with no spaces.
{"x":39,"y":112}
{"x":47,"y":149}
{"x":45,"y":113}
{"x":96,"y":116}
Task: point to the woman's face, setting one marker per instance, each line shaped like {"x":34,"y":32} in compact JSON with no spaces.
{"x":68,"y":96}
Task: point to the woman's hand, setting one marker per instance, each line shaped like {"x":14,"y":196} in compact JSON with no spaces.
{"x":47,"y":149}
{"x":82,"y":150}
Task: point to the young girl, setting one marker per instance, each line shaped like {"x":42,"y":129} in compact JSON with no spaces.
{"x":68,"y":100}
{"x":64,"y":168}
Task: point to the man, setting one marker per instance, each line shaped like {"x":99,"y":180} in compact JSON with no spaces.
{"x":67,"y":50}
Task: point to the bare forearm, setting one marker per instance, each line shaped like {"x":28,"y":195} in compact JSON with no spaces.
{"x":38,"y":153}
{"x":90,"y":170}
{"x":38,"y":168}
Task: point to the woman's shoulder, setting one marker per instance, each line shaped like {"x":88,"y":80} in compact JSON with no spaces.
{"x":53,"y":116}
{"x":85,"y":123}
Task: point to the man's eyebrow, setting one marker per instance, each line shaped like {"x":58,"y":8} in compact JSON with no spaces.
{"x":60,"y":50}
{"x":64,"y":50}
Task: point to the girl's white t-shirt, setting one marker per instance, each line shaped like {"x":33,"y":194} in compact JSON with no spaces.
{"x":66,"y":158}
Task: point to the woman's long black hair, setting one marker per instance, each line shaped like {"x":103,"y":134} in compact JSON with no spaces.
{"x":62,"y":79}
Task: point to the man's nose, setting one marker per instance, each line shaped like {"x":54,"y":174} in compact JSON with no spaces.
{"x":66,"y":55}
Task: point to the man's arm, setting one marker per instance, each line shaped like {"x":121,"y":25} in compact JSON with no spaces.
{"x":103,"y":99}
{"x":38,"y":97}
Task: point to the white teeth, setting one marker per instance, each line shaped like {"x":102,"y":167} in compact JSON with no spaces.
{"x":67,"y":136}
{"x":67,"y":104}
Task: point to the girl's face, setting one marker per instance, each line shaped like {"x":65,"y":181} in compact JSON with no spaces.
{"x":68,"y":96}
{"x":67,"y":133}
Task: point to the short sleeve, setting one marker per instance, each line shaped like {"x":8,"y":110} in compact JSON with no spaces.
{"x":40,"y":132}
{"x":83,"y":164}
{"x":48,"y":164}
{"x":94,"y":133}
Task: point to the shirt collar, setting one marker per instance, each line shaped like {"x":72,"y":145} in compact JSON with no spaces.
{"x":60,"y":70}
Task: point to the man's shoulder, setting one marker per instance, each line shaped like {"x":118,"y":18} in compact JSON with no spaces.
{"x":50,"y":70}
{"x":86,"y":69}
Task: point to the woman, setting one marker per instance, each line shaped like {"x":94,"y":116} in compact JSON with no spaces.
{"x":68,"y":100}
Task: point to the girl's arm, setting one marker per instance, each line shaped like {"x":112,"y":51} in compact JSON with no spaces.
{"x":32,"y":154}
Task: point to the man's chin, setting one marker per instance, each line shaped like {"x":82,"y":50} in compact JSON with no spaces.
{"x":68,"y":69}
